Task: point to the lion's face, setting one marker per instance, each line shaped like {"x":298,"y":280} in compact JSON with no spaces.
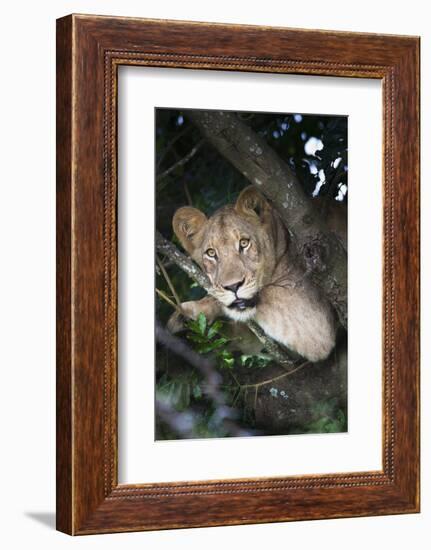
{"x":237,"y":247}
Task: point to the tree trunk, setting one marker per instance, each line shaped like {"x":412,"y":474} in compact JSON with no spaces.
{"x":322,"y":255}
{"x":298,"y":400}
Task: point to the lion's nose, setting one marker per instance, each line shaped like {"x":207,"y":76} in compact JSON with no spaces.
{"x":234,"y":287}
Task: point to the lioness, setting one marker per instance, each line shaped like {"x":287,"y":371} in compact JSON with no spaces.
{"x":244,"y":250}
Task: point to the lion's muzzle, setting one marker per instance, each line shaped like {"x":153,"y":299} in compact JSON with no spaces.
{"x":242,"y":304}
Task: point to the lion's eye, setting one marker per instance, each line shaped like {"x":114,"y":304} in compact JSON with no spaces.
{"x":211,"y":252}
{"x":243,"y":243}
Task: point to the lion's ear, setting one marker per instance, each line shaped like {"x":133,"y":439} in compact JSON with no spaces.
{"x":252,"y":203}
{"x":187,"y":222}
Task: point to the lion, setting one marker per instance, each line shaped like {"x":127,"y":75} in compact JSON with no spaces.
{"x":244,"y":250}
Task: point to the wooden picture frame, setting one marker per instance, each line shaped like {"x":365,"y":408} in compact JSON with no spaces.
{"x":89,"y":51}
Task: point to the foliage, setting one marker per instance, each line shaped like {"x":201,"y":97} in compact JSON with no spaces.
{"x":328,"y":418}
{"x":256,"y":361}
{"x":206,"y":339}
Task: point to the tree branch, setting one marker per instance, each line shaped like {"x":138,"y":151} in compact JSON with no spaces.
{"x":180,"y":162}
{"x":194,"y":272}
{"x":182,"y":261}
{"x":320,"y":252}
{"x":178,"y":136}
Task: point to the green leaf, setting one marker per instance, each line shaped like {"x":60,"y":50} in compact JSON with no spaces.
{"x":197,"y":338}
{"x":255,"y":361}
{"x":341,"y":417}
{"x":197,"y":391}
{"x":193,"y":326}
{"x":228,"y":361}
{"x":332,"y":427}
{"x":211,"y":346}
{"x":220,"y":342}
{"x":204,"y":348}
{"x":214,"y":328}
{"x":202,"y":322}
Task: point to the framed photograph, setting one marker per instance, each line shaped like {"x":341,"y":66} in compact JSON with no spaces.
{"x":237,"y":274}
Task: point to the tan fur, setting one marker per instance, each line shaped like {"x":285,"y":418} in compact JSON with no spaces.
{"x":272,"y":291}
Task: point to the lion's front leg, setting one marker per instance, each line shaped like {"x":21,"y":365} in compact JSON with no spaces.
{"x":208,"y":306}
